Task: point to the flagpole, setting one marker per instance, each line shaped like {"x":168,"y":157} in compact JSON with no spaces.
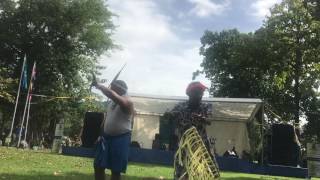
{"x":26,"y":129}
{"x":25,"y":106}
{"x":17,"y":98}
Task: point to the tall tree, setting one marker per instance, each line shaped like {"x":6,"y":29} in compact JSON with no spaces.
{"x":292,"y":25}
{"x":234,"y":62}
{"x":65,"y":38}
{"x":279,"y":62}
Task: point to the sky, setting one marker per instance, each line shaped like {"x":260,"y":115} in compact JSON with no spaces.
{"x":160,"y":39}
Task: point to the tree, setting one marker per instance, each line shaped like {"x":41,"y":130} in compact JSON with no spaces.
{"x":233,"y":64}
{"x":279,"y":62}
{"x":292,"y":25}
{"x":65,"y":38}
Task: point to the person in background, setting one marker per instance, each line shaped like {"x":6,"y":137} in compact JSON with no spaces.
{"x":231,"y":153}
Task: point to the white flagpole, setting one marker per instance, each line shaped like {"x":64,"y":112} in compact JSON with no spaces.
{"x":17,"y":98}
{"x":25,"y":106}
{"x":26,"y":129}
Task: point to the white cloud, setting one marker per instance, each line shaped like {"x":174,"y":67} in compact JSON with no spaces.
{"x":205,"y":8}
{"x":261,"y":8}
{"x":158,"y":60}
{"x":140,"y":20}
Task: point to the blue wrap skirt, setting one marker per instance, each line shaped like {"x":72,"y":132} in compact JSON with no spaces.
{"x":112,"y":152}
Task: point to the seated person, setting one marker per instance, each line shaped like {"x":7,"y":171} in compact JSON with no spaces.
{"x":231,"y":153}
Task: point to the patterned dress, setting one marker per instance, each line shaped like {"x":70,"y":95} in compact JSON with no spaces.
{"x":184,"y":117}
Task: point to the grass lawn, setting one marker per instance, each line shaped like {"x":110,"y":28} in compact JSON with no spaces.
{"x":18,"y":164}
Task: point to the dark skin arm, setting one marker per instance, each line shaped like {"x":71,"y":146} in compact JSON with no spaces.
{"x":114,"y":94}
{"x":124,"y":102}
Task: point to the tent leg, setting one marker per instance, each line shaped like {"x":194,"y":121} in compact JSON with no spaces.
{"x":262,"y":134}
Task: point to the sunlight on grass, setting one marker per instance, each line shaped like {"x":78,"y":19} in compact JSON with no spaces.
{"x":18,"y":164}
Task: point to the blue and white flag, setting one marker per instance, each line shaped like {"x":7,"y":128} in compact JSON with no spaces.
{"x":25,"y":74}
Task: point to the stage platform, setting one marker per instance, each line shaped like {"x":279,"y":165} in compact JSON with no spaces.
{"x":226,"y":164}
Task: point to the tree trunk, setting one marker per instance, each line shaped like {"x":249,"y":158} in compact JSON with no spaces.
{"x":51,"y":130}
{"x":297,"y":74}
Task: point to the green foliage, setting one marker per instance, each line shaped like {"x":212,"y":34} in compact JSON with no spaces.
{"x":230,"y":64}
{"x":314,"y":7}
{"x":313,"y":117}
{"x":297,"y":34}
{"x":65,"y":38}
{"x":5,"y":85}
{"x":254,"y":135}
{"x":278,"y":62}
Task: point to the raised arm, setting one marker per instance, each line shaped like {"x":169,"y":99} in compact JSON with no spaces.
{"x":124,"y":102}
{"x":115,"y":95}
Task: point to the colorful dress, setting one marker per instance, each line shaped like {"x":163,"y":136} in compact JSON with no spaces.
{"x":184,"y":117}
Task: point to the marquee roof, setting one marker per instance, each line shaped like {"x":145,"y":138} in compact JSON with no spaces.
{"x":224,"y":109}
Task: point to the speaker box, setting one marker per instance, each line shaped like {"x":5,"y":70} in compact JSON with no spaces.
{"x":282,"y":145}
{"x":91,"y":128}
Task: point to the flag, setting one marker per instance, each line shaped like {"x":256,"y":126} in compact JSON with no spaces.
{"x":33,"y":76}
{"x":30,"y":97}
{"x":24,"y":74}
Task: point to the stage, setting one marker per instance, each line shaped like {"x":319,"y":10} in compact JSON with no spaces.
{"x":225,"y":164}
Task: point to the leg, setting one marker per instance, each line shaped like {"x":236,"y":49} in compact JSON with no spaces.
{"x":99,"y":173}
{"x":180,"y":170}
{"x":119,"y":152}
{"x":115,"y":175}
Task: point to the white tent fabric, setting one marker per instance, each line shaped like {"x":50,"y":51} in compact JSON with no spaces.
{"x":227,"y":134}
{"x":144,"y":129}
{"x":223,"y":108}
{"x":232,"y":110}
{"x":229,"y":117}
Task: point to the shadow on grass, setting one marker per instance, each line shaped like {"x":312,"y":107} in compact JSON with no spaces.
{"x":239,"y":178}
{"x":63,"y":176}
{"x":149,"y":165}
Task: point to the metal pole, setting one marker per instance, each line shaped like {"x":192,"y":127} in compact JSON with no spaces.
{"x":25,"y":133}
{"x":24,"y":114}
{"x":262,"y":134}
{"x":17,"y":98}
{"x":25,"y":106}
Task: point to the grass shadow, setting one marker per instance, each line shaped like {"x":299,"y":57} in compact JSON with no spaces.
{"x":239,"y":178}
{"x":63,"y":176}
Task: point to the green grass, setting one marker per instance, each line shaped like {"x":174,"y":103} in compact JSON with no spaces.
{"x":18,"y":164}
